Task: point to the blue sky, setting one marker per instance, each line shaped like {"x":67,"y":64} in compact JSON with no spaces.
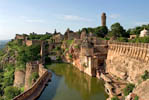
{"x":25,"y":16}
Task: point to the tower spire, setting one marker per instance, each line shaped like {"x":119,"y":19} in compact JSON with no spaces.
{"x":103,"y":19}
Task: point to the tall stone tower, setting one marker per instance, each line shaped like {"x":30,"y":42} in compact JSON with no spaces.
{"x":103,"y":19}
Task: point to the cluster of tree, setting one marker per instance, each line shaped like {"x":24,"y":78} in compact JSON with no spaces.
{"x":34,"y":36}
{"x":26,"y":54}
{"x":137,"y":30}
{"x":7,"y":91}
{"x":22,"y":54}
{"x":100,"y":31}
{"x":117,"y":32}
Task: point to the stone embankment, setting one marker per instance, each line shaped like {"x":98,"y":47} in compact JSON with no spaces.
{"x":37,"y":88}
{"x":128,"y":61}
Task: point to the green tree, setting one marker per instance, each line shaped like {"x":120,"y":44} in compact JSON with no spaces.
{"x":145,"y":76}
{"x":129,"y":88}
{"x":117,"y":31}
{"x":32,"y":53}
{"x":8,"y":76}
{"x":115,"y":98}
{"x":101,"y":31}
{"x":10,"y":92}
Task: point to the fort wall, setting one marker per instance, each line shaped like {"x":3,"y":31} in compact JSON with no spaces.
{"x":127,"y":61}
{"x":33,"y":42}
{"x":36,"y":89}
{"x":31,"y":67}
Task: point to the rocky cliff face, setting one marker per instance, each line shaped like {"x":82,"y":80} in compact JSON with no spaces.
{"x":87,"y":55}
{"x":142,"y":90}
{"x":126,"y":68}
{"x":7,"y":57}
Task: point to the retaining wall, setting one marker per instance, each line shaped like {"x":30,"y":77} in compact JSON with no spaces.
{"x":36,"y":89}
{"x":127,"y":61}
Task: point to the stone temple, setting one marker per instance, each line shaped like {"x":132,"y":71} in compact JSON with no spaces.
{"x":144,"y":33}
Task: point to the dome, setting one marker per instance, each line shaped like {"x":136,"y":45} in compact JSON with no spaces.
{"x":144,"y":33}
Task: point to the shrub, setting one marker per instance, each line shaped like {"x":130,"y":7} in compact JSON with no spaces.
{"x":84,"y":65}
{"x":77,"y":46}
{"x":8,"y":76}
{"x":115,"y":98}
{"x":58,"y":58}
{"x":10,"y":92}
{"x":70,"y":56}
{"x":122,"y":39}
{"x":136,"y":98}
{"x":32,"y":53}
{"x":33,"y":77}
{"x":69,"y":42}
{"x":145,"y":76}
{"x":1,"y":98}
{"x":129,"y":88}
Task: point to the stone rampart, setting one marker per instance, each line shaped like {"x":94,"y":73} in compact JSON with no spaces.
{"x":127,"y":61}
{"x":31,"y":67}
{"x":36,"y":89}
{"x":33,"y":42}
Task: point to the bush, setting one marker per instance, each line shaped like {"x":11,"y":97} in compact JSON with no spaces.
{"x":8,"y":76}
{"x":33,"y":77}
{"x":129,"y":88}
{"x":115,"y":98}
{"x":145,"y":76}
{"x":77,"y":47}
{"x":58,"y":58}
{"x":32,"y":53}
{"x":136,"y":98}
{"x":140,"y":40}
{"x":122,"y":39}
{"x":69,"y":42}
{"x":10,"y":92}
{"x":70,"y":56}
{"x":84,"y":65}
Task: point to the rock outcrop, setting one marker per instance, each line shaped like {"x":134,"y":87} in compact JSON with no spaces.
{"x":142,"y":90}
{"x":87,"y":54}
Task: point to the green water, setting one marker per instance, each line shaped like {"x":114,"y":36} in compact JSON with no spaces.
{"x":68,"y":83}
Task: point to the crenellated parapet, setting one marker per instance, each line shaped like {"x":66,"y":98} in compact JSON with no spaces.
{"x":139,"y":51}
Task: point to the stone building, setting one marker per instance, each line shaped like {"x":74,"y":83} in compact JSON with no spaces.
{"x":132,"y":36}
{"x":22,"y":37}
{"x":33,"y":42}
{"x":86,"y":48}
{"x":57,"y":38}
{"x":83,"y":34}
{"x":144,"y":33}
{"x":70,"y":35}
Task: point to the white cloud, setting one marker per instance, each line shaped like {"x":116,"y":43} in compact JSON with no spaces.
{"x":35,"y":20}
{"x":141,"y":23}
{"x":76,"y":18}
{"x":32,"y":20}
{"x":114,"y":16}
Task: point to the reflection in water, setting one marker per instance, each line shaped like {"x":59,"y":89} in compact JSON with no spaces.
{"x":68,"y":83}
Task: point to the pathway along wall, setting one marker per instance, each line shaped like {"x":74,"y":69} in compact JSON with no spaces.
{"x":127,"y":61}
{"x":37,"y":88}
